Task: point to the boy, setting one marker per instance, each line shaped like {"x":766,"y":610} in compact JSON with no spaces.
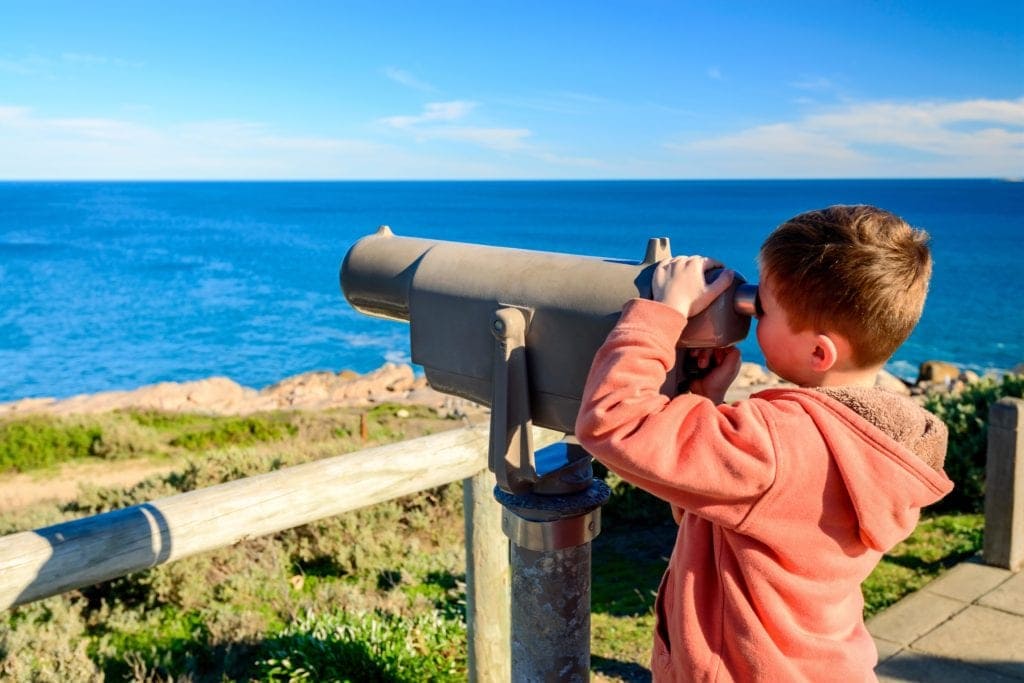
{"x":786,"y":501}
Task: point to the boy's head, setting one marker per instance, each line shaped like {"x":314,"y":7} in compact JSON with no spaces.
{"x":857,"y":271}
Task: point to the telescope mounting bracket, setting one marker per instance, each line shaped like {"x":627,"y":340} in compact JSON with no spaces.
{"x":511,"y":456}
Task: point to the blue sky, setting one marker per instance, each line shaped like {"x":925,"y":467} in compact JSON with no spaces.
{"x":599,"y":89}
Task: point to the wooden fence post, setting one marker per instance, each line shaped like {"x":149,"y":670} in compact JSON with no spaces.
{"x":487,"y":582}
{"x":1004,"y":485}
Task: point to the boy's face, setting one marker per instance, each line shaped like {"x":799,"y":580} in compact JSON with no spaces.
{"x":785,"y":351}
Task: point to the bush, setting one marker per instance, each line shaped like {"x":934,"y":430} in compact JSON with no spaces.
{"x":371,"y":647}
{"x":966,"y":415}
{"x":36,"y":443}
{"x":241,"y":431}
{"x":43,"y":642}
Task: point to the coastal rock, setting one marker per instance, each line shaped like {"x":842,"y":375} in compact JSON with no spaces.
{"x":218,"y":395}
{"x":753,"y":375}
{"x":937,"y":372}
{"x":887,"y":380}
{"x":317,"y":390}
{"x":27,"y":405}
{"x":751,"y":379}
{"x":222,"y":396}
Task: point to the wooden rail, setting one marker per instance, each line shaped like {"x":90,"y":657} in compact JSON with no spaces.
{"x":44,"y":562}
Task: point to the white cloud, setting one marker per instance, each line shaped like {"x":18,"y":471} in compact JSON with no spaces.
{"x":504,"y":139}
{"x":433,"y":112}
{"x":89,"y":59}
{"x":25,"y":66}
{"x":52,"y":67}
{"x":436,"y":122}
{"x":33,"y":146}
{"x":816,"y":83}
{"x":403,"y":77}
{"x":979,"y":137}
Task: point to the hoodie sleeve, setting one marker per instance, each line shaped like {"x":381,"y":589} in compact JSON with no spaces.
{"x":715,"y":461}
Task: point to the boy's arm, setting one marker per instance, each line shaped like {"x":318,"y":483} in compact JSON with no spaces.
{"x":716,"y":461}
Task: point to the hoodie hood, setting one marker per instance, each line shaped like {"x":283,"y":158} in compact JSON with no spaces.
{"x":889,"y":452}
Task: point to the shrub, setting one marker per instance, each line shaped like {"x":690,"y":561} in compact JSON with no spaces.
{"x":241,"y":431}
{"x":371,"y":647}
{"x":966,"y":415}
{"x":36,"y":443}
{"x":43,"y":642}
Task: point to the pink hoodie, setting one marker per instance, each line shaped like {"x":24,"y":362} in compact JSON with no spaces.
{"x":787,"y":502}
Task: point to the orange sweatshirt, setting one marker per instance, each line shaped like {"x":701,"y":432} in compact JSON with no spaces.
{"x":787,"y":502}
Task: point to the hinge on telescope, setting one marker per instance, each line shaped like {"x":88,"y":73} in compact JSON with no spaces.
{"x":511,"y":456}
{"x":658,"y":249}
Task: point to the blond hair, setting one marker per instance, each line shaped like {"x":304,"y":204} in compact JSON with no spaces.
{"x":859,"y":271}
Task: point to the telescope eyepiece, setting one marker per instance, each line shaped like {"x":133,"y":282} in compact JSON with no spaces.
{"x":747,"y":300}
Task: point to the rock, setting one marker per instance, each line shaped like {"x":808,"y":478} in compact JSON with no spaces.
{"x":751,"y":379}
{"x":318,"y":390}
{"x":752,"y":374}
{"x":891,"y":382}
{"x":1018,"y":369}
{"x":27,"y":405}
{"x":969,"y":377}
{"x":222,"y":396}
{"x":937,"y":372}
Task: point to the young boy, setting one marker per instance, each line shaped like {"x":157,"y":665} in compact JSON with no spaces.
{"x":785,"y":501}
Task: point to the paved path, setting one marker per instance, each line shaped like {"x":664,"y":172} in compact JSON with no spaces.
{"x":967,"y":625}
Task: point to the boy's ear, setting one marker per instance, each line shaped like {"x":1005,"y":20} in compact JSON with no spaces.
{"x":826,"y":352}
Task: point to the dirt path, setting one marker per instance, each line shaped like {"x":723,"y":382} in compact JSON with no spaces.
{"x":21,"y":490}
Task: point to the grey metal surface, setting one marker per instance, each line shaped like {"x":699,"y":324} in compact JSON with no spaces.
{"x":551,"y":614}
{"x":450,"y":291}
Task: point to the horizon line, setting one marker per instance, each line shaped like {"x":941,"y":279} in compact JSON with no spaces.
{"x":1005,"y":179}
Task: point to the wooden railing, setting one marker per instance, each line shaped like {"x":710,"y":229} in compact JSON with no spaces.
{"x":48,"y":561}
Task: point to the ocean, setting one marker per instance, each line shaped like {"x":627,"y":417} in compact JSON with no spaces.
{"x":114,"y":285}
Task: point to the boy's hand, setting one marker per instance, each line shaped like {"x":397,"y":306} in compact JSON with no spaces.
{"x":725,"y":366}
{"x":679,"y":282}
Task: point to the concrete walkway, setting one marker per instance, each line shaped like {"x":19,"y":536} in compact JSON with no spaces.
{"x":967,"y":625}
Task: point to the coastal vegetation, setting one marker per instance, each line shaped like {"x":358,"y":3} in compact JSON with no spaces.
{"x":373,"y":595}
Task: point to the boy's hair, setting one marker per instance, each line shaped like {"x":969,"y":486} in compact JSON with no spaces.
{"x":856,"y":270}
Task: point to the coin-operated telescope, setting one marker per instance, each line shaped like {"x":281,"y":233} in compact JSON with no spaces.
{"x":517,"y":330}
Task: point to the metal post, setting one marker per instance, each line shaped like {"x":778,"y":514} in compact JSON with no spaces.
{"x":550,"y":560}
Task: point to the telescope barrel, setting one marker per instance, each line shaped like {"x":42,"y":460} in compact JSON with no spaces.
{"x":449,"y":292}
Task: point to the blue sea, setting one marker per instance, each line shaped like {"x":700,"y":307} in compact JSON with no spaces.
{"x":113,"y":285}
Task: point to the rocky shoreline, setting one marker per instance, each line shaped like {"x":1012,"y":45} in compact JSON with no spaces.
{"x":391,"y":383}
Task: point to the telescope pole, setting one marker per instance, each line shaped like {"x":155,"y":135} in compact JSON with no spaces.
{"x":550,"y":558}
{"x":551,"y":511}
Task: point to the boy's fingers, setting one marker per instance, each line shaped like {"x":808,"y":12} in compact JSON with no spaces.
{"x":722,"y":282}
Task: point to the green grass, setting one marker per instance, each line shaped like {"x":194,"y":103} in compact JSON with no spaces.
{"x":366,"y":647}
{"x":238,"y":431}
{"x":939,"y":542}
{"x":377,"y":594}
{"x":39,"y":443}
